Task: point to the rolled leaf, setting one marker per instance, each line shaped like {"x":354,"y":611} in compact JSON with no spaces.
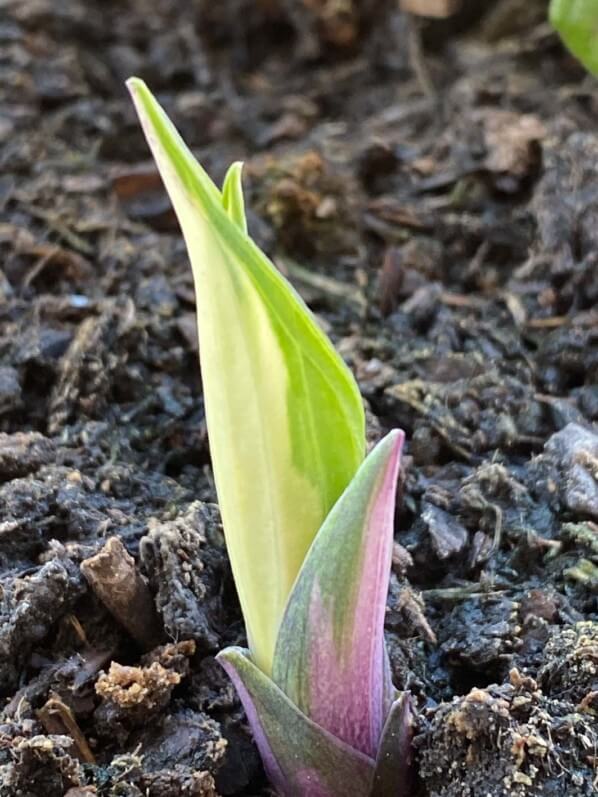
{"x":301,"y":759}
{"x":330,"y":657}
{"x":577,"y":24}
{"x":284,"y":414}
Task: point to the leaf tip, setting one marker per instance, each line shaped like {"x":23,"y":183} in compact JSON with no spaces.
{"x":236,"y":168}
{"x":135,"y":85}
{"x":396,"y":438}
{"x":392,"y":447}
{"x":228,"y":657}
{"x":232,"y":195}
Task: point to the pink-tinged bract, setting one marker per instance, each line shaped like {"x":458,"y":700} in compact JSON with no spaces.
{"x":329,"y":723}
{"x":300,"y":758}
{"x":330,"y":658}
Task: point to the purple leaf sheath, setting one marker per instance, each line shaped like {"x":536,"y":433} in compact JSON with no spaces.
{"x":329,"y":723}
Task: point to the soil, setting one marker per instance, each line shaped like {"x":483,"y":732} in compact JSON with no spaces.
{"x":430,"y":188}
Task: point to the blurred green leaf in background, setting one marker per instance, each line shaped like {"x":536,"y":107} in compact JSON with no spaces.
{"x":577,"y":24}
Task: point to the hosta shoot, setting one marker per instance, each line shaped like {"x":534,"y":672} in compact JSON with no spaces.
{"x":308,"y":522}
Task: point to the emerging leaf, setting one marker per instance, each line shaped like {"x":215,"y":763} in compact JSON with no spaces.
{"x":285,"y":418}
{"x":330,"y":657}
{"x":577,"y":24}
{"x":300,"y":758}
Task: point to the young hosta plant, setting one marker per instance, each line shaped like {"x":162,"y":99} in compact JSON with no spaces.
{"x":308,"y":523}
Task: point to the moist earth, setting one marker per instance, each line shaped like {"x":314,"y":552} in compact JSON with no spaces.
{"x":430,"y":188}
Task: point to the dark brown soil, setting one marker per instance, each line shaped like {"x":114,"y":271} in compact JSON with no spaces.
{"x":432,"y":191}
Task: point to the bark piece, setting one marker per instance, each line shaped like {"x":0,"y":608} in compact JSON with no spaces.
{"x":114,"y":578}
{"x":57,"y":718}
